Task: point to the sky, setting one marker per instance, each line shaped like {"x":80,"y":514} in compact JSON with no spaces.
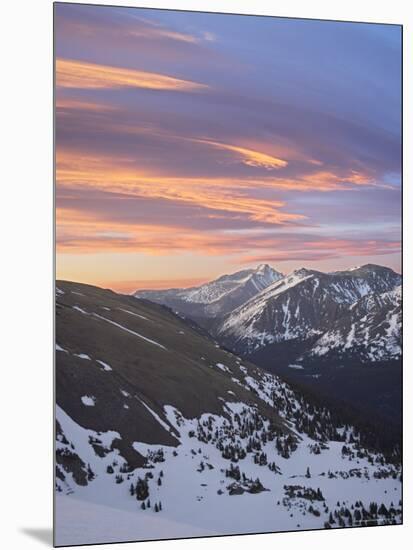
{"x":189,"y":145}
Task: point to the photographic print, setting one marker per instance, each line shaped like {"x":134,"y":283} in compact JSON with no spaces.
{"x":228,"y":274}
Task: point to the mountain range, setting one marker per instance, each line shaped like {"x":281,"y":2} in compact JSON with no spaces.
{"x":307,"y":304}
{"x":322,"y":331}
{"x":252,"y":309}
{"x":162,"y":432}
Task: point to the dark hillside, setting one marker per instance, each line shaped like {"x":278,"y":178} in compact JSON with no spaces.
{"x":149,"y":357}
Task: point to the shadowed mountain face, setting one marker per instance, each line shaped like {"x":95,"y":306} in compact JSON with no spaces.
{"x":120,"y":360}
{"x":216,"y":298}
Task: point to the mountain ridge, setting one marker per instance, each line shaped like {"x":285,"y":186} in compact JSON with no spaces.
{"x":216,"y":297}
{"x":301,"y":305}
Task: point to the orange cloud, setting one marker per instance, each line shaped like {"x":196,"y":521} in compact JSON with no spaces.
{"x":250,"y":157}
{"x":340,"y":181}
{"x":88,"y":231}
{"x":213,"y":193}
{"x":82,"y":233}
{"x":79,"y":74}
{"x":66,"y":105}
{"x":121,"y":175}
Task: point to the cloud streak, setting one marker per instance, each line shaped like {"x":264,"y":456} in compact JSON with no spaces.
{"x":137,"y":136}
{"x":81,"y":235}
{"x":75,"y":74}
{"x":249,"y":156}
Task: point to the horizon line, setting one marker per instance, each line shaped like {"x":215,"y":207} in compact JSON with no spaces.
{"x":131,"y":286}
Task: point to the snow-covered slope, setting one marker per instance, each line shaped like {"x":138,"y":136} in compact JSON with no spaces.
{"x":160,"y":434}
{"x":217,"y":297}
{"x":302,"y":305}
{"x":369,"y":331}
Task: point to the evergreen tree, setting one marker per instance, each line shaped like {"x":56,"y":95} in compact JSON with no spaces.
{"x":90,"y":473}
{"x":383,"y":510}
{"x":141,"y":489}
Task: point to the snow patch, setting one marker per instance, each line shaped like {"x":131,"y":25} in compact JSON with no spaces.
{"x":105,"y":366}
{"x":59,"y":348}
{"x":130,"y":331}
{"x":83,"y":356}
{"x":88,"y":400}
{"x":80,"y":310}
{"x":134,"y":314}
{"x":164,"y":425}
{"x":222,"y":367}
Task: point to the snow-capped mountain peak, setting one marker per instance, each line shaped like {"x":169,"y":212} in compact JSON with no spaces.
{"x":217,"y":297}
{"x":302,"y":305}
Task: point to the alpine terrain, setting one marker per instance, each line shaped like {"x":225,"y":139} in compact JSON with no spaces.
{"x":304,"y":305}
{"x":336,"y":335}
{"x":162,"y":433}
